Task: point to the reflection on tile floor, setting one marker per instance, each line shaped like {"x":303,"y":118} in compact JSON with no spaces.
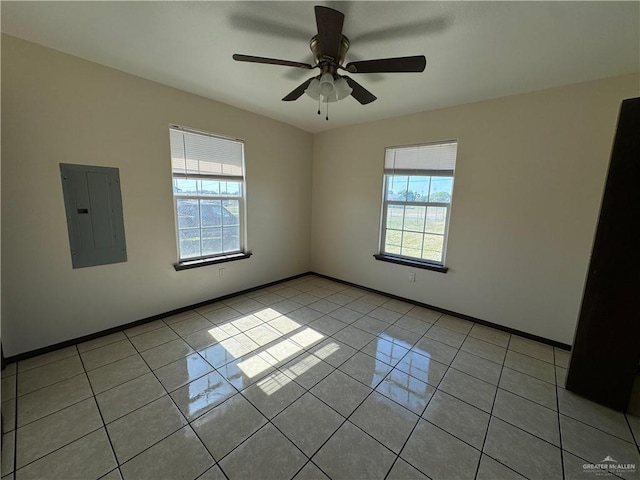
{"x":309,"y":378}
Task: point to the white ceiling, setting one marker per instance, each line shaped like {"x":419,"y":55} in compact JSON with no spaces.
{"x":474,"y":50}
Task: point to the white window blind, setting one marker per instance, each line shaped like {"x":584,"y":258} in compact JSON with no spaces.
{"x":439,"y":158}
{"x":209,"y":194}
{"x":418,"y":188}
{"x":195,"y":154}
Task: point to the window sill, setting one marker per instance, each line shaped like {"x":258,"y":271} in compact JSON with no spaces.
{"x":210,"y":261}
{"x":411,"y":263}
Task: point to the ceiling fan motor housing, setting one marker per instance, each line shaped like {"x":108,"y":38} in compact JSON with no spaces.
{"x":325,"y":62}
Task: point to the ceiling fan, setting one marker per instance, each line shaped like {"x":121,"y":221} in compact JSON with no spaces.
{"x":329,"y":48}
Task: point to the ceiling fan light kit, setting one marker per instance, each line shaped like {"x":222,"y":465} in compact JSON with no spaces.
{"x":329,"y":48}
{"x":329,"y":89}
{"x":342,"y":89}
{"x":326,"y":84}
{"x":313,"y":90}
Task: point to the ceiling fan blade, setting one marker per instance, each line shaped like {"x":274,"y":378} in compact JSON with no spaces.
{"x":360,"y":93}
{"x":329,"y":23}
{"x":270,"y":61}
{"x":353,"y":57}
{"x":388,"y":65}
{"x":297,"y":92}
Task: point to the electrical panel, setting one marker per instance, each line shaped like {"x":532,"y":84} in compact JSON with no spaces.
{"x":93,"y":204}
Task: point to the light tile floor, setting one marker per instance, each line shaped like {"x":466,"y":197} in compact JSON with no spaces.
{"x":307,"y":379}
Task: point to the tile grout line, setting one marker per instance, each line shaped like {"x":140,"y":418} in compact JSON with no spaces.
{"x":420,"y":417}
{"x":53,"y":413}
{"x":562,"y":450}
{"x":217,"y":462}
{"x":502,"y":420}
{"x":124,"y":336}
{"x":268,"y":422}
{"x":555,"y":373}
{"x":473,"y":376}
{"x":44,"y":364}
{"x":556,"y":386}
{"x":142,"y":406}
{"x":51,"y":384}
{"x":635,"y":437}
{"x":598,"y":428}
{"x":467,"y":336}
{"x":15,"y":429}
{"x":95,"y":401}
{"x":341,"y":424}
{"x":111,"y":362}
{"x":309,"y":461}
{"x":558,"y":413}
{"x":493,"y":404}
{"x":529,"y":400}
{"x":589,"y":461}
{"x":85,"y":371}
{"x":183,"y":416}
{"x":525,"y":398}
{"x":65,"y":445}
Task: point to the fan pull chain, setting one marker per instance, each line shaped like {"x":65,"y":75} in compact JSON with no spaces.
{"x":327,"y":117}
{"x":319,"y":100}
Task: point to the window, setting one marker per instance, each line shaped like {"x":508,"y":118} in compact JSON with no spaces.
{"x":208,"y":193}
{"x":418,"y":187}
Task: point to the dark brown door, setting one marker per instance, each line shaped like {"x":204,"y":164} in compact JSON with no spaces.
{"x":606,"y":348}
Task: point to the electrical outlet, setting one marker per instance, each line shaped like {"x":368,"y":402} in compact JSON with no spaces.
{"x":221,"y":273}
{"x":412,"y":277}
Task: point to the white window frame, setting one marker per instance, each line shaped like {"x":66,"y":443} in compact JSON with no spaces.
{"x":225,"y":255}
{"x":415,"y":172}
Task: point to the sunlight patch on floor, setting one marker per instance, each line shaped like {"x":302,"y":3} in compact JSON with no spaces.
{"x":273,"y":382}
{"x":326,"y":350}
{"x":307,"y":337}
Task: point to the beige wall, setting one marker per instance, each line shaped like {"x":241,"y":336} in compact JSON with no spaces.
{"x":58,"y":108}
{"x":528,"y":184}
{"x":529,"y":180}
